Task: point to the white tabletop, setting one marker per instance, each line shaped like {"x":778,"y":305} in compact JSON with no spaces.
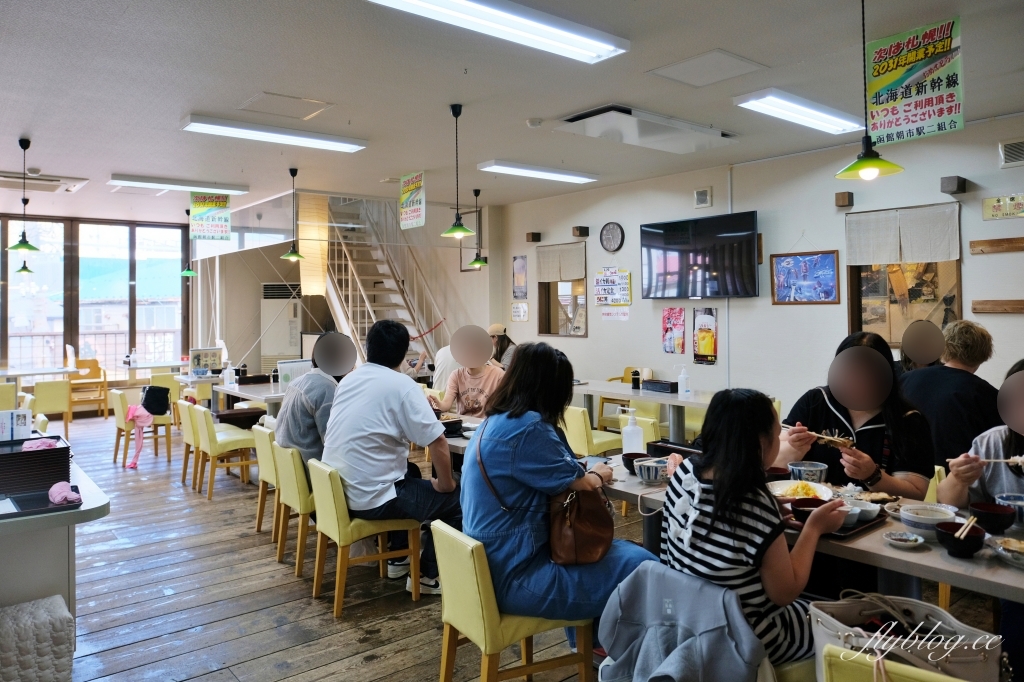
{"x":191,"y":380}
{"x":95,"y":505}
{"x":458,"y":445}
{"x":36,"y":371}
{"x":156,"y":365}
{"x":265,"y":393}
{"x":618,"y":389}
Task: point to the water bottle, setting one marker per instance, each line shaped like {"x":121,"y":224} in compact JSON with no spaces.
{"x":133,"y":359}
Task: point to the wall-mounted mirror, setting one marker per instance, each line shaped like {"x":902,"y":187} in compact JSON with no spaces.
{"x":563,"y":308}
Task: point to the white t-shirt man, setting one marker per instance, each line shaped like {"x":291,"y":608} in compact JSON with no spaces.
{"x":444,"y":365}
{"x":376,"y":413}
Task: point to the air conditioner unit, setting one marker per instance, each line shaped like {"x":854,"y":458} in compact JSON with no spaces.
{"x":40,"y":183}
{"x":1011,"y":153}
{"x":618,"y":123}
{"x":280,"y":323}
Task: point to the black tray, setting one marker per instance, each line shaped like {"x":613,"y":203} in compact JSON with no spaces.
{"x":33,"y":504}
{"x":860,"y":526}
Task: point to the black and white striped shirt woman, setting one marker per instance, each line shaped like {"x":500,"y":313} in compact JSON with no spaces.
{"x":729,"y":554}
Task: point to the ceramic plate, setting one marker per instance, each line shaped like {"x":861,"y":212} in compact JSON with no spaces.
{"x":1015,"y":559}
{"x":778,"y":487}
{"x":894,"y":538}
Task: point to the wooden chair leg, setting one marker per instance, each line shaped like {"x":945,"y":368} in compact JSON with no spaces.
{"x":585,"y":647}
{"x":186,"y":450}
{"x":274,"y":524}
{"x":213,"y":471}
{"x":156,"y":440}
{"x":449,"y":648}
{"x":282,"y":532}
{"x":67,"y":420}
{"x":426,"y":453}
{"x":382,"y":546}
{"x":197,"y":466}
{"x":625,"y":508}
{"x":945,"y":594}
{"x":167,"y":441}
{"x":117,"y":443}
{"x":261,"y":505}
{"x":340,"y":577}
{"x":489,"y":667}
{"x":414,"y":562}
{"x":300,"y":544}
{"x":318,"y":566}
{"x":526,"y":653}
{"x":128,"y":437}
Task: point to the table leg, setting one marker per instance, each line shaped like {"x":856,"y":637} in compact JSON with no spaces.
{"x":588,"y":404}
{"x":677,"y":423}
{"x":652,"y":532}
{"x":273,"y":409}
{"x":897,"y":584}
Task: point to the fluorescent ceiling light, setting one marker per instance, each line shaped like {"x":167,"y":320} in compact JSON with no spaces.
{"x":512,"y":168}
{"x":178,"y":185}
{"x":795,"y":109}
{"x":522,"y":25}
{"x":262,"y":133}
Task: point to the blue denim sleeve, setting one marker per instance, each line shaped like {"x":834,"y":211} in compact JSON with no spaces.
{"x":543,"y":461}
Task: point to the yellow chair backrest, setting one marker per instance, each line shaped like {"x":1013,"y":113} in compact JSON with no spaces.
{"x":646,"y":410}
{"x":432,"y":393}
{"x":8,"y":396}
{"x":695,"y":419}
{"x":28,"y":402}
{"x":41,"y":423}
{"x":168,"y":382}
{"x":265,"y":454}
{"x":471,"y":609}
{"x":88,"y":369}
{"x":53,"y":396}
{"x":576,"y":423}
{"x":933,"y":485}
{"x":332,"y":517}
{"x":291,"y":479}
{"x":651,"y":427}
{"x":188,"y":429}
{"x":202,"y":422}
{"x":120,"y":403}
{"x":627,"y":374}
{"x":842,"y":665}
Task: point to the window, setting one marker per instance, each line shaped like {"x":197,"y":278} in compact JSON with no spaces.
{"x":157,"y":294}
{"x":35,"y":300}
{"x":103,"y":290}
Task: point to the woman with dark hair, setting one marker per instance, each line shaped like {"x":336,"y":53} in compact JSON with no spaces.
{"x":527,"y":459}
{"x":504,"y":349}
{"x":892,"y":445}
{"x":721,"y":523}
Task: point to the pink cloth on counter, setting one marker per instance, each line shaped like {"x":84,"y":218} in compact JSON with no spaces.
{"x":142,"y":419}
{"x":61,"y":493}
{"x":40,"y":444}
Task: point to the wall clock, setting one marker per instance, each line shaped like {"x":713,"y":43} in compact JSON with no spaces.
{"x":612,"y":237}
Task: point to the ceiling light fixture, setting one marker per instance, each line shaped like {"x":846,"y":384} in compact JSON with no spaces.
{"x":176,"y":185}
{"x":479,"y":261}
{"x":523,"y":25}
{"x":23,"y":243}
{"x":512,"y":168}
{"x":869,"y":165}
{"x":457,"y":230}
{"x":188,"y":271}
{"x":23,"y":270}
{"x":781,"y":104}
{"x":262,"y":133}
{"x":293,"y":253}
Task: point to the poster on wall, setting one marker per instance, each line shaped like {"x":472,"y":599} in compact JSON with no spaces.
{"x":705,"y":336}
{"x":518,"y":278}
{"x":999,"y":208}
{"x":915,"y":83}
{"x":611,"y":287}
{"x":412,"y":201}
{"x":209,"y":216}
{"x":807,"y":277}
{"x":673,"y":330}
{"x":521,"y":312}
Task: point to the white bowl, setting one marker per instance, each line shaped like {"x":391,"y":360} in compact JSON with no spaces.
{"x":651,"y":471}
{"x":922,"y":519}
{"x":868,"y":510}
{"x":852,"y":515}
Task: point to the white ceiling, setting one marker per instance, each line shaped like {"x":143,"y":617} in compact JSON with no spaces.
{"x":100,"y":86}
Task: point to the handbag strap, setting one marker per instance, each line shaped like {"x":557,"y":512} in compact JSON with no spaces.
{"x":480,"y":462}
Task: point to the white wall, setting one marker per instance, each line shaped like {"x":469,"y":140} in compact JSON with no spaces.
{"x":782,"y":350}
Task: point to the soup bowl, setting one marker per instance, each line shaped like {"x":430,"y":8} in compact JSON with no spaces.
{"x":1015,"y":500}
{"x":868,"y":510}
{"x":994,"y":518}
{"x":812,"y":472}
{"x":652,"y":471}
{"x":963,"y":548}
{"x":803,"y":506}
{"x":776,"y":474}
{"x":922,"y":519}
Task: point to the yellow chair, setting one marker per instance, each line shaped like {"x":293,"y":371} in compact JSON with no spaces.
{"x":292,"y":495}
{"x":267,"y":472}
{"x":470,"y":613}
{"x":219,"y":447}
{"x":582,"y":439}
{"x":626,"y":378}
{"x":54,"y":397}
{"x":8,"y":396}
{"x":643,"y":409}
{"x":190,"y":438}
{"x":26,"y":401}
{"x":249,"y":405}
{"x":40,"y":423}
{"x":89,"y":385}
{"x":797,"y":671}
{"x":199,"y":392}
{"x":841,"y":665}
{"x":174,"y":394}
{"x":127,"y":428}
{"x":695,"y":420}
{"x":334,"y":523}
{"x":650,"y":427}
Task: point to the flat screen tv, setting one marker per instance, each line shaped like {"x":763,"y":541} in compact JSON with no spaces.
{"x":714,"y":257}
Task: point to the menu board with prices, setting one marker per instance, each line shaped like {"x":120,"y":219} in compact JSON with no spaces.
{"x":611,"y":287}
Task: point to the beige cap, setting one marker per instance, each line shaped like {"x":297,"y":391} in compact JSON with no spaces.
{"x":496,"y":330}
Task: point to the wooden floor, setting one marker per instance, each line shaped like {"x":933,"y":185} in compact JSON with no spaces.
{"x":172,"y":586}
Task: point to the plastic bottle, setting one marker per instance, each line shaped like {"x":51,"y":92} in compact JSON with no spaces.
{"x":133,"y":359}
{"x":683,"y":381}
{"x":632,"y":435}
{"x":229,"y":374}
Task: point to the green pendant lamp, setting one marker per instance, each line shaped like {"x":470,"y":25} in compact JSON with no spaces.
{"x":23,"y":270}
{"x":869,"y":165}
{"x":479,"y":261}
{"x":188,"y":271}
{"x":457,"y":230}
{"x":23,"y":243}
{"x":293,"y":253}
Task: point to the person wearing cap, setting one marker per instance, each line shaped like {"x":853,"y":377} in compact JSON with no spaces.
{"x":503,"y":346}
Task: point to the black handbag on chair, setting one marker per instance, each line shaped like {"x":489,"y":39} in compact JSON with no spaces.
{"x":156,"y":399}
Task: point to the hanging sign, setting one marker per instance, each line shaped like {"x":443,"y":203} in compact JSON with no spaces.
{"x":915,"y":83}
{"x":705,"y":336}
{"x":611,"y":287}
{"x":519,"y":278}
{"x":412,"y":202}
{"x":673,"y":330}
{"x":997,"y":208}
{"x":209,"y":216}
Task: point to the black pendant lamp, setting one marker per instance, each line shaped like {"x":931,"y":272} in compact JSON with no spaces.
{"x":23,"y":243}
{"x":188,"y":271}
{"x":457,"y":230}
{"x":479,"y":261}
{"x":293,"y":253}
{"x":869,"y":164}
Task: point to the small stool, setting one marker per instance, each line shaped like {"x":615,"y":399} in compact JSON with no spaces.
{"x":39,"y":640}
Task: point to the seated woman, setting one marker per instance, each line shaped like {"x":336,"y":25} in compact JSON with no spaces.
{"x":504,"y":347}
{"x":527,"y":459}
{"x":721,"y":523}
{"x":970,"y":480}
{"x":469,"y":389}
{"x":892,"y":445}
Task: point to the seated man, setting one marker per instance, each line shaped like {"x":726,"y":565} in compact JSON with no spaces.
{"x":377,"y":412}
{"x":959,"y":405}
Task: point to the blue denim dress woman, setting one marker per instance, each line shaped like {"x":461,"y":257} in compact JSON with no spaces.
{"x":528,"y":461}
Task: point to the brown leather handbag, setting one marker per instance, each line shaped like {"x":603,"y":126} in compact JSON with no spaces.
{"x":582,"y":527}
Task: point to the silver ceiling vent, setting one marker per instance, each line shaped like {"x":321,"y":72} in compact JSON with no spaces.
{"x":40,"y":183}
{"x":618,"y":123}
{"x":1011,"y":153}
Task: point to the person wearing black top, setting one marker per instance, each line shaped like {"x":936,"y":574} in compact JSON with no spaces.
{"x":959,"y":405}
{"x":892,"y":445}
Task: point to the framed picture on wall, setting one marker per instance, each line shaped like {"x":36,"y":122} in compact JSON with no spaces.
{"x":805,"y":278}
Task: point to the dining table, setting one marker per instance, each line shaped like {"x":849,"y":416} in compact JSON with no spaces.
{"x":618,"y":390}
{"x":17,"y":374}
{"x":270,"y":393}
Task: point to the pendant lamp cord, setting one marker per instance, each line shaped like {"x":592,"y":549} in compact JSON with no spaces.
{"x":864,"y":50}
{"x":457,"y":213}
{"x":294,"y":223}
{"x":24,"y":174}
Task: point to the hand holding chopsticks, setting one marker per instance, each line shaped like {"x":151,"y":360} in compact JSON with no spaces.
{"x":966,"y":528}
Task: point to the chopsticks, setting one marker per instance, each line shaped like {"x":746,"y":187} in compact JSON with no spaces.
{"x":965,"y":529}
{"x":1012,"y":460}
{"x":825,"y":439}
